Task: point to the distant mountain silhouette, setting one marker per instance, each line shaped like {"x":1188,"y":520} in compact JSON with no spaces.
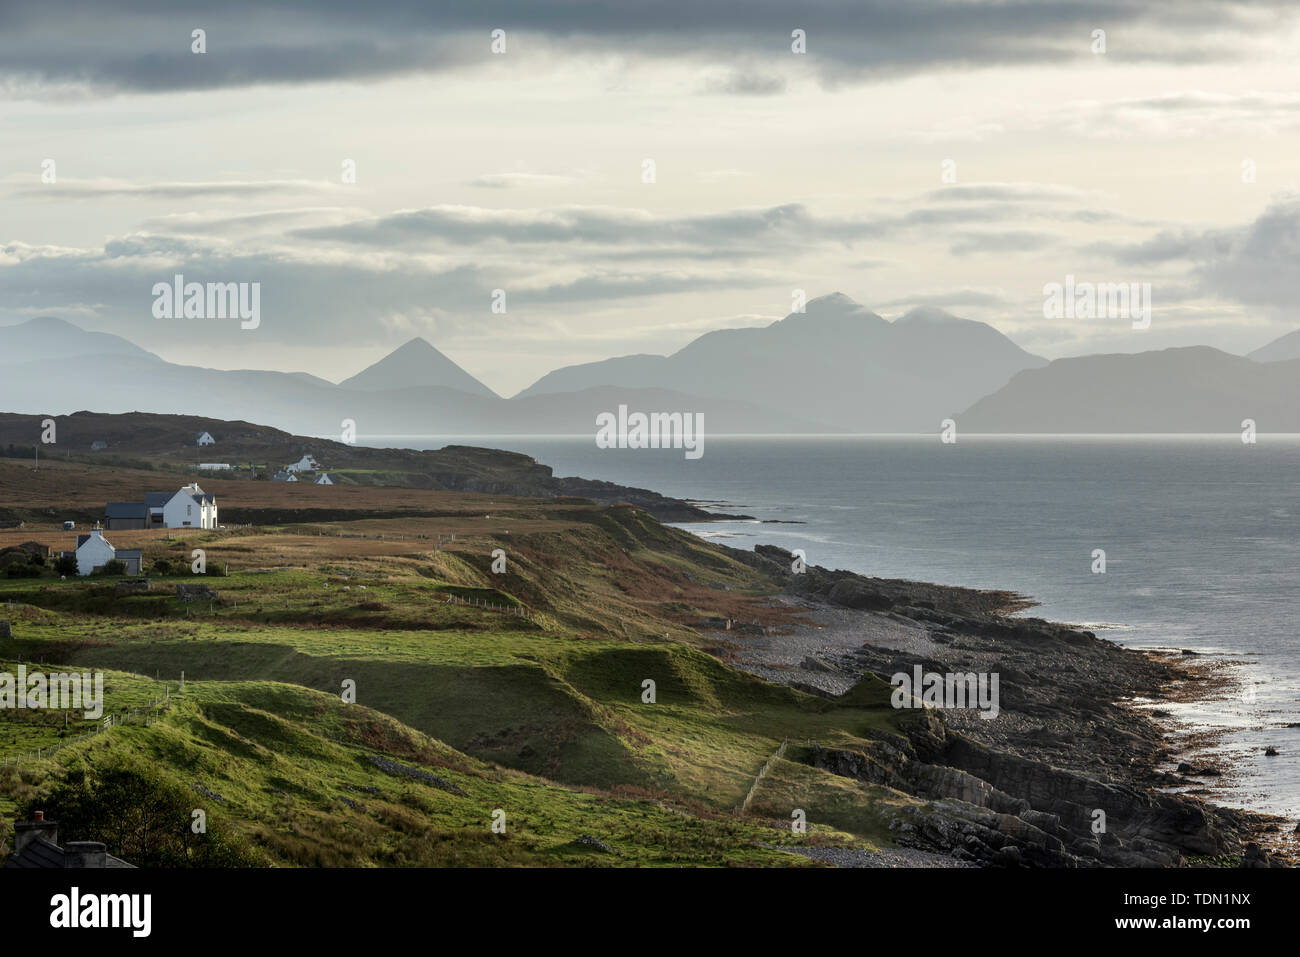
{"x":1279,"y":350}
{"x":835,"y":368}
{"x":1192,"y":389}
{"x":44,"y":373}
{"x":837,"y":363}
{"x":48,"y":338}
{"x":415,"y":365}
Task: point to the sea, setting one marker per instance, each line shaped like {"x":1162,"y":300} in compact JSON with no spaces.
{"x":1200,"y":534}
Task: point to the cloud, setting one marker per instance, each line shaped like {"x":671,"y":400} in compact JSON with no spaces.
{"x":517,"y":180}
{"x":321,"y":296}
{"x":144,"y":46}
{"x":1254,"y":264}
{"x":63,"y":190}
{"x":746,"y":83}
{"x":764,"y":230}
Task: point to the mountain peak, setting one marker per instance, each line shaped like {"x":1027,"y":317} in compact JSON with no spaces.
{"x":415,"y":364}
{"x":832,"y":302}
{"x":834,"y":307}
{"x":48,"y":337}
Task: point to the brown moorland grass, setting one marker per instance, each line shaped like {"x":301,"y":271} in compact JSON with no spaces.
{"x":73,"y":485}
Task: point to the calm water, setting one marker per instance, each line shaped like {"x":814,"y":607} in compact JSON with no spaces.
{"x":1201,"y":534}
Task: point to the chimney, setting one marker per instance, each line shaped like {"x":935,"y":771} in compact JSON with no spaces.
{"x":84,"y":854}
{"x":27,"y":831}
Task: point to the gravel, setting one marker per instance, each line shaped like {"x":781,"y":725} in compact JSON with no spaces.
{"x":830,"y":637}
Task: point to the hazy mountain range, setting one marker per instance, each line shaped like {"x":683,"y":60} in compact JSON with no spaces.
{"x":837,"y":367}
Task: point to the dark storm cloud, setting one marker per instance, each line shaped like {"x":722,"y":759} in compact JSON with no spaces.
{"x":144,"y":45}
{"x":1254,"y":264}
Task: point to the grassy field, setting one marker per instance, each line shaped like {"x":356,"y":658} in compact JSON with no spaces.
{"x":543,"y":716}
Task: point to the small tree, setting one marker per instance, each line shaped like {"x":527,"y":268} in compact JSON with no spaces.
{"x":66,"y":564}
{"x":140,"y":815}
{"x":162,"y":566}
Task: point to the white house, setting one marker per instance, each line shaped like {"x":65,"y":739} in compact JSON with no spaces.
{"x":324,"y":479}
{"x":304,"y":464}
{"x":93,"y":551}
{"x":205,"y":438}
{"x":214,"y":466}
{"x":191,"y":507}
{"x":284,"y":477}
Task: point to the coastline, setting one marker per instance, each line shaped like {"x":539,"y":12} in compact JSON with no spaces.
{"x":1081,"y":728}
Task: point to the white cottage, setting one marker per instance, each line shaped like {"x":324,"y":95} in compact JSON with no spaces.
{"x":205,"y":438}
{"x":304,"y":464}
{"x":324,"y":479}
{"x":191,"y":507}
{"x":93,"y":551}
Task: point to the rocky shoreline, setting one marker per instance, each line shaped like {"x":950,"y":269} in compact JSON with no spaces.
{"x":1069,"y":772}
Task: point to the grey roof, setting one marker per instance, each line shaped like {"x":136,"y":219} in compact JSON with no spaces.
{"x":126,"y":553}
{"x":41,"y":853}
{"x":157,"y":499}
{"x":207,"y":498}
{"x":126,"y":510}
{"x":81,"y":540}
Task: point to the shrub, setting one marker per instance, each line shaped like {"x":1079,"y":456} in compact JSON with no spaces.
{"x":140,"y":815}
{"x":66,"y":564}
{"x":162,"y":566}
{"x":114,"y":567}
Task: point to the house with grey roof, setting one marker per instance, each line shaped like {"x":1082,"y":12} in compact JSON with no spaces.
{"x":94,"y":551}
{"x":36,"y":845}
{"x":119,"y":515}
{"x":190,"y":507}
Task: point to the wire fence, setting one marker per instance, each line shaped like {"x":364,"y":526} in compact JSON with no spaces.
{"x":143,"y":715}
{"x":518,"y":611}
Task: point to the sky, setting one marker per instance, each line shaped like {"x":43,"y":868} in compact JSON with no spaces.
{"x":946,"y":153}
